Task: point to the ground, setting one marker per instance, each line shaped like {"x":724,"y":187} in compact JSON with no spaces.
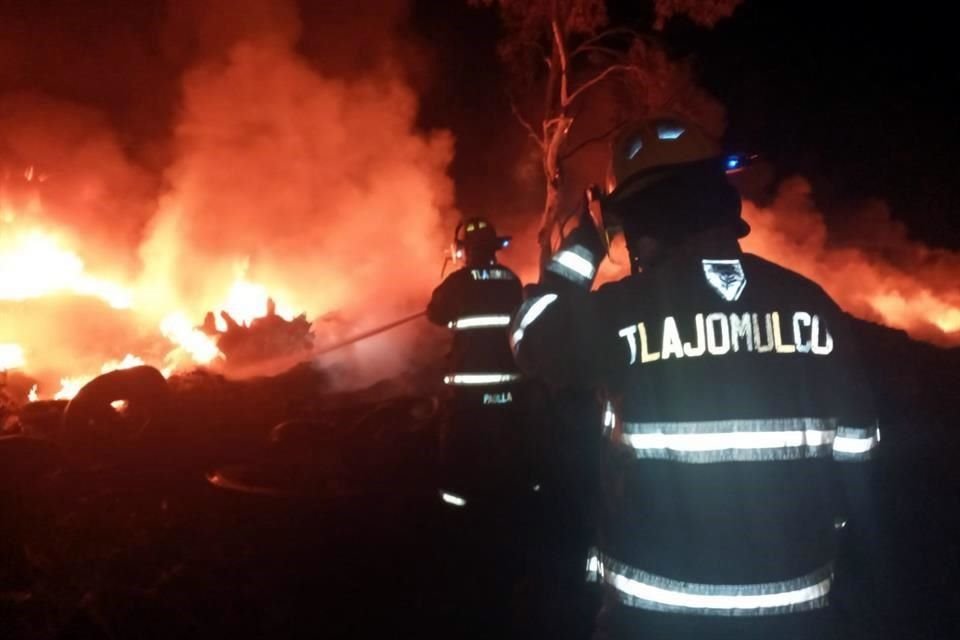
{"x":135,"y":541}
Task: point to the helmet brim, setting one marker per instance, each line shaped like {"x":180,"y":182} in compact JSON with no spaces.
{"x":618,"y":206}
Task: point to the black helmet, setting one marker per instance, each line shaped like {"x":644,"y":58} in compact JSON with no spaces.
{"x":667,"y":178}
{"x":478,"y":238}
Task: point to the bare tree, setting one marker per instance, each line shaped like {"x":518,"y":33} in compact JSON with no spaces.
{"x":567,"y":48}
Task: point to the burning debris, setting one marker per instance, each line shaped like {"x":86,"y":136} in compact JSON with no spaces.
{"x":151,"y":285}
{"x":270,"y":173}
{"x":261,"y":338}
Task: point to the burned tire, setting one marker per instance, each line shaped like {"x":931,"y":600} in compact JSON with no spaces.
{"x":91,"y":414}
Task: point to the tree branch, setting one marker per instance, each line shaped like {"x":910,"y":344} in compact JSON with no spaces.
{"x":526,"y":125}
{"x":597,"y":79}
{"x":552,"y":121}
{"x":586,"y":44}
{"x":583,"y":143}
{"x":613,"y":53}
{"x":562,"y":53}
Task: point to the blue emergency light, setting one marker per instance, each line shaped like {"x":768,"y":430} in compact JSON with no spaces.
{"x":737,"y":162}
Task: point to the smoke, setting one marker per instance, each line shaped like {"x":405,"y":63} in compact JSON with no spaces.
{"x":317,"y":186}
{"x":870,"y":267}
{"x":281,"y":156}
{"x":65,"y":168}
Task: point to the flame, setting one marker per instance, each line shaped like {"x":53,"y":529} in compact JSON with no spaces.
{"x":948,"y":320}
{"x":881,"y":276}
{"x":201,"y":347}
{"x":33,"y":396}
{"x":158,"y":234}
{"x":11,"y":356}
{"x":33,"y":265}
{"x":247,"y":301}
{"x":69,"y":387}
{"x":905,"y":310}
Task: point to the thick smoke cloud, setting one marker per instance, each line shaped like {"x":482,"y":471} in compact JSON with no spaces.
{"x":319,"y":184}
{"x":66,"y":168}
{"x":313,"y":183}
{"x":870,"y":266}
{"x":876,"y":272}
{"x":184,"y":141}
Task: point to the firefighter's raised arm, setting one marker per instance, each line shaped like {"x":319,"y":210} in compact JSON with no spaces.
{"x":557,"y":333}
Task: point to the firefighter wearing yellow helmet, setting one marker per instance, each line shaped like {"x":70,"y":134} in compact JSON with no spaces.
{"x":736,"y":418}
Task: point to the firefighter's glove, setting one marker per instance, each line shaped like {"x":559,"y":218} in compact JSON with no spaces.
{"x":579,"y":255}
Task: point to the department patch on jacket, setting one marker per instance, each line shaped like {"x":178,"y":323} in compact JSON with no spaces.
{"x":726,"y":277}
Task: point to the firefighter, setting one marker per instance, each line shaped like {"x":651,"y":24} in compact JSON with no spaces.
{"x":736,"y":419}
{"x":475,"y":302}
{"x":487,"y":474}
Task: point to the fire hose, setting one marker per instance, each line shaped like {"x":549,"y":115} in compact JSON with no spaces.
{"x":370,"y":333}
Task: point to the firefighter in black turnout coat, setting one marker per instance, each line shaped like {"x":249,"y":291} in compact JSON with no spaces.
{"x":737,"y":421}
{"x":482,"y":448}
{"x":487,"y":474}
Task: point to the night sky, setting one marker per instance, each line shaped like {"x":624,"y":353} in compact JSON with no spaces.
{"x":855,"y":96}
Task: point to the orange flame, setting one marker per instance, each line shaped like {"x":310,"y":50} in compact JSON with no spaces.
{"x":173,"y":231}
{"x":33,"y":265}
{"x":883,"y":276}
{"x":198,"y":345}
{"x":247,"y":301}
{"x":69,"y":387}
